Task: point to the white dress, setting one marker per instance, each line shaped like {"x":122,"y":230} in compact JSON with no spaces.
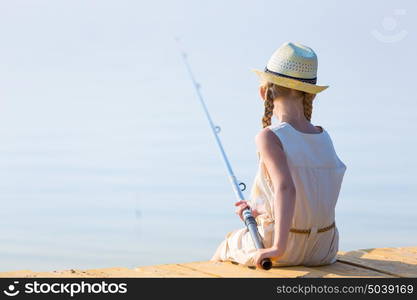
{"x":317,"y":173}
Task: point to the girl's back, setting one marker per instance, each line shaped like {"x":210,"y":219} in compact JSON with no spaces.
{"x":317,"y":173}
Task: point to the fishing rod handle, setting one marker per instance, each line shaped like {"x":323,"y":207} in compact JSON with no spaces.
{"x":250,"y":223}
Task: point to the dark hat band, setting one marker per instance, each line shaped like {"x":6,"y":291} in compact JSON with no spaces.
{"x":312,"y":80}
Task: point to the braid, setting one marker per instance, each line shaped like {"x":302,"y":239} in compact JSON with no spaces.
{"x":308,"y":105}
{"x":269,"y":107}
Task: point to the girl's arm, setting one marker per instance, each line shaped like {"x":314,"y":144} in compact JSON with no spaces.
{"x":275,"y":160}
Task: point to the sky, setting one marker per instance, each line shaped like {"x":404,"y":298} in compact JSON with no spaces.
{"x":71,"y":51}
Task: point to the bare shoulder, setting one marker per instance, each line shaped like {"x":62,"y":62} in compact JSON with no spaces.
{"x":267,"y":138}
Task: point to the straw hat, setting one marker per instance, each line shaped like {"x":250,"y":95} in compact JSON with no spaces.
{"x":293,"y":66}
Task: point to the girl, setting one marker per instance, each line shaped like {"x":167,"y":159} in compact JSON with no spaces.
{"x":297,"y":185}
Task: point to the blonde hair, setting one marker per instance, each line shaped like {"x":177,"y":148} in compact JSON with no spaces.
{"x":273,"y":91}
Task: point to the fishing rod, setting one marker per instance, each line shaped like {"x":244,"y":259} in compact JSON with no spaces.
{"x":238,"y":187}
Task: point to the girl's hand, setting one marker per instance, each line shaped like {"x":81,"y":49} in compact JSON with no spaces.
{"x":272,"y":253}
{"x":241,"y":206}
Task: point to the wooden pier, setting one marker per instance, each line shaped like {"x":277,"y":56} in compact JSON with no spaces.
{"x":378,"y":262}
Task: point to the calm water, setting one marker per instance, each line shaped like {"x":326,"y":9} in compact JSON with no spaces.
{"x":104,"y":183}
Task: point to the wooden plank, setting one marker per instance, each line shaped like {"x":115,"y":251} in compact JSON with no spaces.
{"x":399,"y":254}
{"x":54,"y":274}
{"x":410,"y":249}
{"x":205,"y":269}
{"x":228,"y":269}
{"x":305,"y":272}
{"x":18,"y":274}
{"x":144,"y":272}
{"x":339,"y":269}
{"x":388,"y":264}
{"x":174,"y":270}
{"x":378,"y":262}
{"x":114,"y":273}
